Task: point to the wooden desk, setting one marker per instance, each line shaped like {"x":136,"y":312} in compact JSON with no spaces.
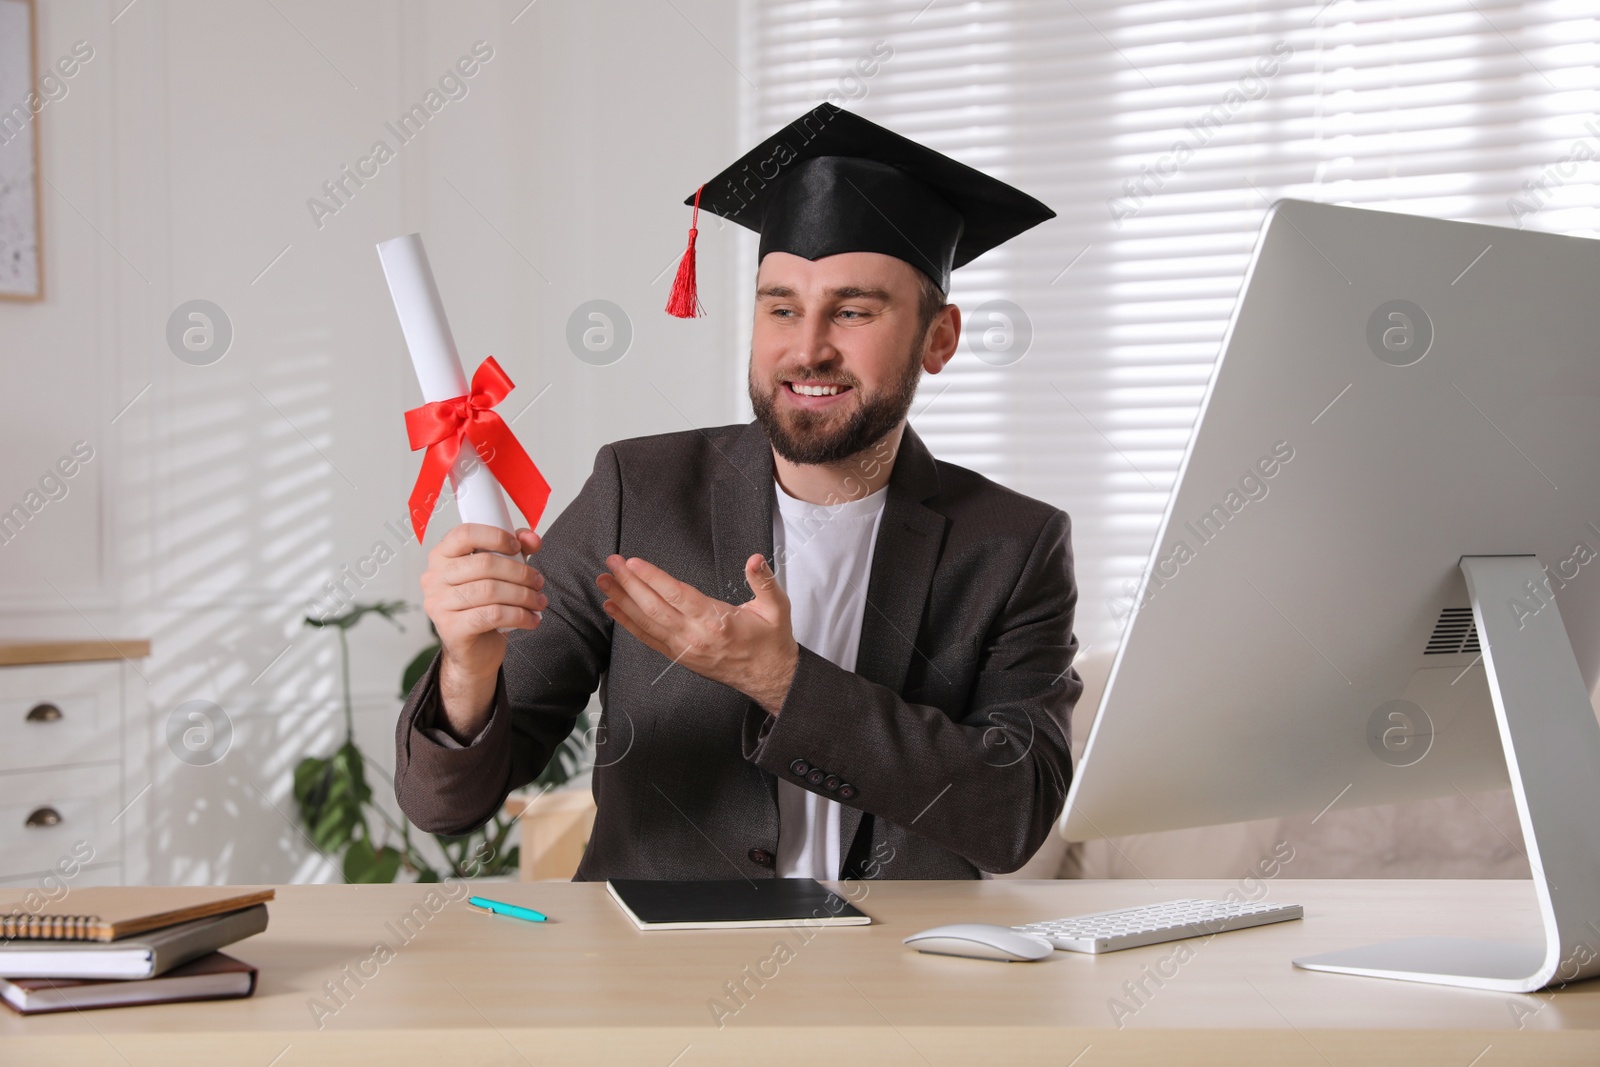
{"x":589,"y":988}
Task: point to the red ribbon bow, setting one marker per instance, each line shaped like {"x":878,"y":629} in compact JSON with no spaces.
{"x":440,"y":426}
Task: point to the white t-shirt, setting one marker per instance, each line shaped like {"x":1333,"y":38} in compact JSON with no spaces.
{"x":822,"y":558}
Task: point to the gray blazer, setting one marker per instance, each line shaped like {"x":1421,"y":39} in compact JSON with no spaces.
{"x":947,"y":746}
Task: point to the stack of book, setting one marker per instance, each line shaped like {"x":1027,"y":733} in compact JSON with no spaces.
{"x":110,"y":947}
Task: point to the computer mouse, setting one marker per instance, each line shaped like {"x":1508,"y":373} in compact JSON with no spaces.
{"x":982,"y":941}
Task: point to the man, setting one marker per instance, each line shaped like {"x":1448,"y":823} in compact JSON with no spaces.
{"x":893,"y":698}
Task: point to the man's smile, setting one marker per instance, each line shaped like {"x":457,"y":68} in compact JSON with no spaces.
{"x":814,"y":394}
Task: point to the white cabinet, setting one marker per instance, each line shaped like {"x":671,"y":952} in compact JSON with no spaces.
{"x":60,"y":714}
{"x":57,"y":816}
{"x":63,"y":749}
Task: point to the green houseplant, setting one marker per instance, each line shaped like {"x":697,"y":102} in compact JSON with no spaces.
{"x":335,"y":799}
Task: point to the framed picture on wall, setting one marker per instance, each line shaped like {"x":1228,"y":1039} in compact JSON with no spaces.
{"x":21,"y":250}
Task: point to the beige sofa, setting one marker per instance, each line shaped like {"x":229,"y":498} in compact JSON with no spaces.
{"x":1453,"y":837}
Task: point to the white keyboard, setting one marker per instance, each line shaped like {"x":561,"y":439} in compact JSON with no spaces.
{"x":1150,"y":924}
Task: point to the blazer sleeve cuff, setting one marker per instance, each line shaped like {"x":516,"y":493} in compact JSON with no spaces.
{"x":444,"y":786}
{"x":780,"y":743}
{"x":428,"y":716}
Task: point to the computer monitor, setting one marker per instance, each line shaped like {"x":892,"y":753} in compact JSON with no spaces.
{"x":1378,"y":577}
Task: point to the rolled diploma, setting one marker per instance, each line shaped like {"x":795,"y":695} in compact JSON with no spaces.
{"x":433,"y":354}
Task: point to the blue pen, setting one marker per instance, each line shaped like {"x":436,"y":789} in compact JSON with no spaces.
{"x":512,"y":910}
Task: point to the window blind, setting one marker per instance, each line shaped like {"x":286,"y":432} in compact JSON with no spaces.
{"x":1160,"y":132}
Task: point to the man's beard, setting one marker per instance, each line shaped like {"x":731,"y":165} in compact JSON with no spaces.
{"x":803,"y":437}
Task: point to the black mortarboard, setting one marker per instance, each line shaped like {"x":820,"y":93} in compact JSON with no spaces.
{"x":831,"y":182}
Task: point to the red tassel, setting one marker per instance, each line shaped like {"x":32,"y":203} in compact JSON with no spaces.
{"x":684,"y":303}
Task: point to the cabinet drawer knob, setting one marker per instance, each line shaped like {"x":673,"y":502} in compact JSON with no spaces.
{"x":41,"y":817}
{"x":46,"y":712}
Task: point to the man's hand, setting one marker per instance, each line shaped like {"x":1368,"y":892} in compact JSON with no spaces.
{"x":750,"y":647}
{"x":470,"y":592}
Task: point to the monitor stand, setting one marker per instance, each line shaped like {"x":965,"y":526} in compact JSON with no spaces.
{"x":1552,"y":748}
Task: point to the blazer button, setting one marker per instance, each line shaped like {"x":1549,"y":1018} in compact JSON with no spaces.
{"x":815,"y":777}
{"x":846,"y":791}
{"x":832,"y":783}
{"x":799,"y":768}
{"x":762,"y":857}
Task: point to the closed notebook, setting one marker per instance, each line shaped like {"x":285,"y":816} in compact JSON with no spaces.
{"x":216,"y":976}
{"x":731,"y":905}
{"x":141,"y":956}
{"x":111,"y":912}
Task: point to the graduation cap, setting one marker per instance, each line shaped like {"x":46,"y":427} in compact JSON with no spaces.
{"x":832,"y":181}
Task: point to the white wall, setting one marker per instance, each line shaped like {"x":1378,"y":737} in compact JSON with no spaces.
{"x":222,"y":497}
